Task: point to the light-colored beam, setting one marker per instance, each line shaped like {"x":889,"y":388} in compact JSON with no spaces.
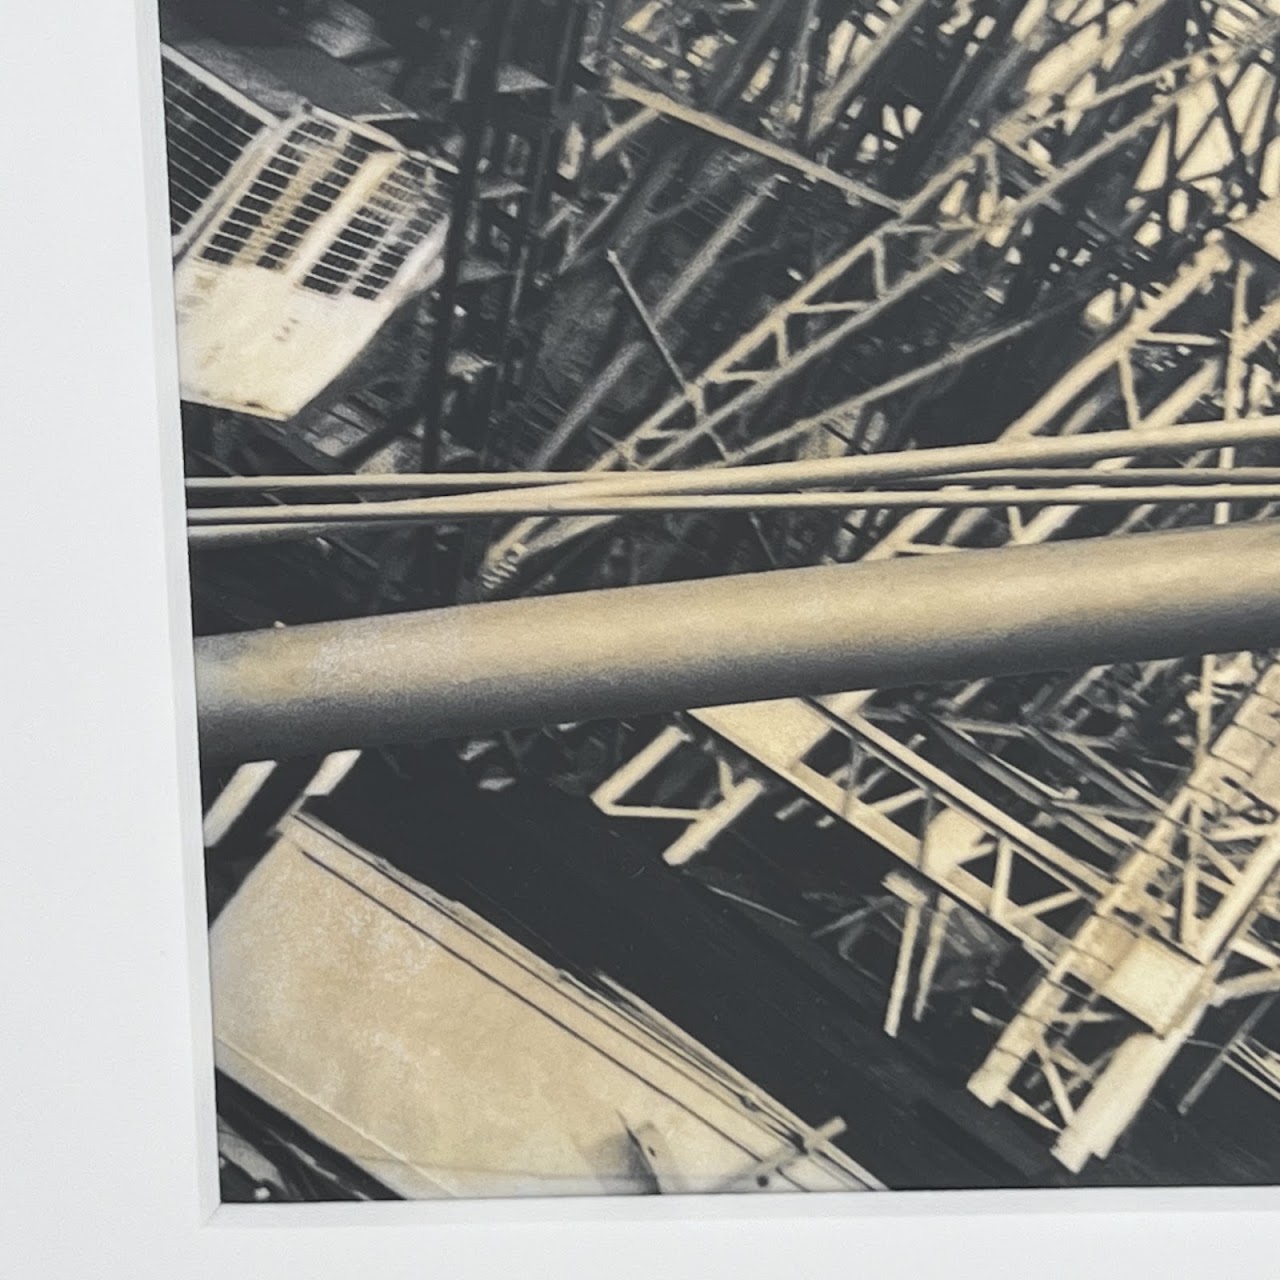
{"x":475,"y":481}
{"x":855,"y":471}
{"x":726,"y":132}
{"x":435,"y":511}
{"x":636,"y":650}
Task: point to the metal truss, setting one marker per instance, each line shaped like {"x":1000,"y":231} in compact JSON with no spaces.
{"x":984,"y":223}
{"x":511,"y":114}
{"x":1100,"y":1028}
{"x":1055,"y":159}
{"x":1042,"y":805}
{"x":686,"y":146}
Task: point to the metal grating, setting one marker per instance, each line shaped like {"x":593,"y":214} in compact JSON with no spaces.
{"x":370,"y":250}
{"x":397,"y":247}
{"x":302,"y":180}
{"x":307,"y":172}
{"x":206,"y":134}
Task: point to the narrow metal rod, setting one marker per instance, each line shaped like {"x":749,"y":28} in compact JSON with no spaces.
{"x":482,"y":482}
{"x":435,"y":481}
{"x":230,"y":537}
{"x":1219,"y":1059}
{"x":646,"y":321}
{"x":902,"y":970}
{"x":939,"y":921}
{"x":1190,"y":476}
{"x":411,"y":677}
{"x":445,"y":510}
{"x":1035,"y":451}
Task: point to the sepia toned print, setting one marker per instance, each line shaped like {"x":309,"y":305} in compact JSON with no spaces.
{"x":736,"y":588}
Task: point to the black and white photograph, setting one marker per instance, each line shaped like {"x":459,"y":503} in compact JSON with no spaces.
{"x":734,"y":562}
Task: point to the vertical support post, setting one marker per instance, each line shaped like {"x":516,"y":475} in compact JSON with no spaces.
{"x":938,"y":923}
{"x":476,"y":101}
{"x":902,"y":973}
{"x":1130,"y":1077}
{"x":569,"y":20}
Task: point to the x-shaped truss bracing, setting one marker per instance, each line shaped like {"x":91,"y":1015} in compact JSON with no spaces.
{"x":972,"y":216}
{"x":1122,"y":990}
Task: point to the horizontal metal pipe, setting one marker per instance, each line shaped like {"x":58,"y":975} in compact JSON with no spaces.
{"x":377,"y":482}
{"x":1201,"y":484}
{"x":436,"y":511}
{"x":1124,"y":476}
{"x":1035,"y":451}
{"x":221,"y":537}
{"x":869,"y":469}
{"x":475,"y":668}
{"x":479,"y":482}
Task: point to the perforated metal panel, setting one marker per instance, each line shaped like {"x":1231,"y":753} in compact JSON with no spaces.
{"x":296,"y":241}
{"x":208,"y":128}
{"x":299,"y":181}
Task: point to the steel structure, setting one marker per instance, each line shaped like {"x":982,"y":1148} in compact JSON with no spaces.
{"x":1137,"y":884}
{"x":1155,"y":820}
{"x":977,"y":246}
{"x":411,"y":677}
{"x":699,"y":235}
